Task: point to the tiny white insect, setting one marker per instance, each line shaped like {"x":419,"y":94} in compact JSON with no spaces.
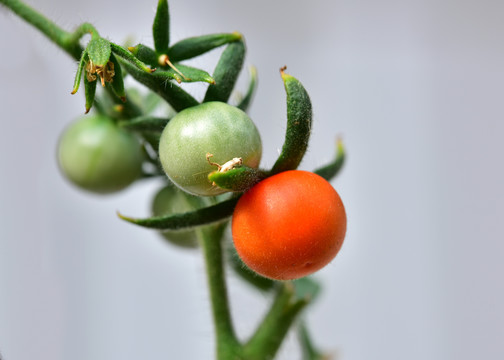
{"x":231,"y":164}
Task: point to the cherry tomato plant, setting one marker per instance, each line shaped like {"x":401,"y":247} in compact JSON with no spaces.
{"x":286,"y":223}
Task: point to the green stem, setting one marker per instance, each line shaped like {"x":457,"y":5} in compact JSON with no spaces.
{"x":270,"y":334}
{"x":173,"y":94}
{"x":64,"y":39}
{"x":309,"y":350}
{"x":228,"y":346}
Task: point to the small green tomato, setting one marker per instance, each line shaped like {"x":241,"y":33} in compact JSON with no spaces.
{"x":97,"y":155}
{"x":214,"y":128}
{"x":171,"y":200}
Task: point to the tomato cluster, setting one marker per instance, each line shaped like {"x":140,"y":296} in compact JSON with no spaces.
{"x":285,"y":227}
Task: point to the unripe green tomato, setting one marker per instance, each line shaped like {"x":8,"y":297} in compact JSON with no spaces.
{"x":169,"y":201}
{"x":97,"y":155}
{"x":217,"y":128}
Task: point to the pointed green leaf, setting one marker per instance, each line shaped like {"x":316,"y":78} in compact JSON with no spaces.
{"x":186,"y":74}
{"x":205,"y":216}
{"x":117,"y":80}
{"x":99,"y":51}
{"x":271,"y":332}
{"x":247,"y":99}
{"x":150,"y":102}
{"x":161,"y":27}
{"x":179,"y":72}
{"x":332,"y":169}
{"x":195,"y":46}
{"x":237,"y":179}
{"x":306,"y":288}
{"x":152,"y":137}
{"x":145,"y":54}
{"x":129,"y":57}
{"x":226,"y":72}
{"x":90,"y":91}
{"x":299,"y":118}
{"x":145,"y":123}
{"x":309,"y":350}
{"x":172,"y":93}
{"x":78,"y":74}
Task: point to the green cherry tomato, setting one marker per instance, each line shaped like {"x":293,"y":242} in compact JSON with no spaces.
{"x":97,"y":155}
{"x":169,"y":201}
{"x":214,"y":128}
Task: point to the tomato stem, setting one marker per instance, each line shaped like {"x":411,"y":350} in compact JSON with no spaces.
{"x":271,"y":332}
{"x":64,"y":39}
{"x":228,"y":346}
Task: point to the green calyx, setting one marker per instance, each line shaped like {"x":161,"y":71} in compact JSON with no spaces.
{"x":99,"y":51}
{"x":226,"y":72}
{"x":299,"y":120}
{"x":161,"y":27}
{"x":199,"y":45}
{"x":188,"y":220}
{"x":238,"y":179}
{"x":332,"y":169}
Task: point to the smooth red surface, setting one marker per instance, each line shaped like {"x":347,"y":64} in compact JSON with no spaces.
{"x":289,"y":225}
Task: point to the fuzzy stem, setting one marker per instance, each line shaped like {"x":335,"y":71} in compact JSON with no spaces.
{"x":270,"y":334}
{"x":64,"y":39}
{"x":228,"y":346}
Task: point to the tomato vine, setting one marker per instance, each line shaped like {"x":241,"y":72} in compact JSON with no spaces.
{"x":286,"y":223}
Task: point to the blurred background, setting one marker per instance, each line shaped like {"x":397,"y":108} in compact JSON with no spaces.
{"x":415,"y":90}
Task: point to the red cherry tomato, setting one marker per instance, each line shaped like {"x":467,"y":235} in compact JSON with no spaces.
{"x":289,"y":225}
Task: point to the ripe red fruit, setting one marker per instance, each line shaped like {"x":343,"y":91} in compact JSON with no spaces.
{"x":289,"y":225}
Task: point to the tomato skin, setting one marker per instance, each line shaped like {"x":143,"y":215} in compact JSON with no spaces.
{"x":289,"y":225}
{"x":217,"y":128}
{"x":98,"y":156}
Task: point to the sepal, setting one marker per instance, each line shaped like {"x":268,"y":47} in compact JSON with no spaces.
{"x":205,"y":216}
{"x":299,"y":120}
{"x":226,"y":72}
{"x":195,"y":46}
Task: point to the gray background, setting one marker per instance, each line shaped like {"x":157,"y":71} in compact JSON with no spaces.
{"x":415,"y":89}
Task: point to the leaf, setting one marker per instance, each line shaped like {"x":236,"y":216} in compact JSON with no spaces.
{"x":150,"y":102}
{"x":171,"y":93}
{"x":90,"y":92}
{"x":189,"y":74}
{"x":129,"y":57}
{"x":99,"y":51}
{"x":306,"y":288}
{"x":310,"y":352}
{"x":226,"y":72}
{"x":299,"y":119}
{"x":195,"y":46}
{"x":245,"y":102}
{"x":117,"y":80}
{"x":204,"y":216}
{"x":78,"y":74}
{"x":237,"y":179}
{"x":145,"y":54}
{"x":332,"y":169}
{"x":161,"y":27}
{"x":145,"y":123}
